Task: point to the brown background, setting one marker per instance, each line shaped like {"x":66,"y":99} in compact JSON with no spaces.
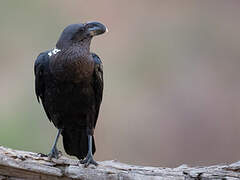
{"x":171,"y":69}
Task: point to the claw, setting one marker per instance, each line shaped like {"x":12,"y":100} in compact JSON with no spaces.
{"x":85,"y":160}
{"x":88,"y":160}
{"x":54,"y":153}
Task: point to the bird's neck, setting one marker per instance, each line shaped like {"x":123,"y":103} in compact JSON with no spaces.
{"x":81,"y":50}
{"x":77,"y":50}
{"x":82,"y":46}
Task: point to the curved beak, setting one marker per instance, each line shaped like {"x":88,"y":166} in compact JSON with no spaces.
{"x":96,"y":28}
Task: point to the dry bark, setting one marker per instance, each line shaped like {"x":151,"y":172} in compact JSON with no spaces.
{"x":19,"y":165}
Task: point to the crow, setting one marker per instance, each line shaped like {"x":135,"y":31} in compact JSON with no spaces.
{"x":69,"y":83}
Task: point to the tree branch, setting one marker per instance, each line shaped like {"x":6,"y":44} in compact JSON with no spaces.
{"x":20,"y":165}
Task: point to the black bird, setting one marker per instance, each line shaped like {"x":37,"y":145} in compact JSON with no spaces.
{"x":69,"y":82}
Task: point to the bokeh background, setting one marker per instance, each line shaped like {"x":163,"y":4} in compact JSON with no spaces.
{"x":171,"y":69}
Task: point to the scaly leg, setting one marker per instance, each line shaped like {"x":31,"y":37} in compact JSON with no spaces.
{"x":89,"y":158}
{"x":54,"y":152}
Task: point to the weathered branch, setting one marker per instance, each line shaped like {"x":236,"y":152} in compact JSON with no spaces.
{"x":19,"y":165}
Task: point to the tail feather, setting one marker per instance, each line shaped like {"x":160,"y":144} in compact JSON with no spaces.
{"x":75,"y":143}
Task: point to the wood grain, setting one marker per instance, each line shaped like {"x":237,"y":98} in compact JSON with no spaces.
{"x":21,"y":165}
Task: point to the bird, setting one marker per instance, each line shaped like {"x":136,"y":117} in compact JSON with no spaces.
{"x":69,"y":85}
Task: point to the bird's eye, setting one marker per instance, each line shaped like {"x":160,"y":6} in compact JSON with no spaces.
{"x":78,"y":34}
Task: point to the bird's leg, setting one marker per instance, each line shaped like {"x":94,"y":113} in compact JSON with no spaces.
{"x":89,"y":158}
{"x":54,"y":152}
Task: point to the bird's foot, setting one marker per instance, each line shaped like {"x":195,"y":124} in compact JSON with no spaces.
{"x":88,"y":160}
{"x":54,"y":153}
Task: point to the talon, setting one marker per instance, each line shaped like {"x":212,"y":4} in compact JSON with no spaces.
{"x":54,"y":153}
{"x":91,"y":161}
{"x":82,"y":161}
{"x":88,"y":160}
{"x":85,"y":160}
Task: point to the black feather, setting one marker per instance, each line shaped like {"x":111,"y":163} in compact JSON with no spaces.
{"x":41,"y":71}
{"x":69,"y":82}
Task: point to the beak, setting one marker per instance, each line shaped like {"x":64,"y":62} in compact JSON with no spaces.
{"x":95,"y":28}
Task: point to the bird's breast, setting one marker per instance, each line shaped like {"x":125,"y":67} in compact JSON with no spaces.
{"x":71,"y":68}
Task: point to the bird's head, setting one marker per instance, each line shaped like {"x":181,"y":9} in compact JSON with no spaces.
{"x":77,"y":34}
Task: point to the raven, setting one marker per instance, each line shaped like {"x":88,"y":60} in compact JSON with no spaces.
{"x":69,"y":83}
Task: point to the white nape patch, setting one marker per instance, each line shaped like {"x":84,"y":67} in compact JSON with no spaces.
{"x":54,"y":51}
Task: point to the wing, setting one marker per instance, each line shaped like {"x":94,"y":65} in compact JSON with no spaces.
{"x":97,"y":83}
{"x":41,"y":68}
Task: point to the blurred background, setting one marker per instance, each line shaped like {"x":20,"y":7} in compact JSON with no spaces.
{"x":171,"y":69}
